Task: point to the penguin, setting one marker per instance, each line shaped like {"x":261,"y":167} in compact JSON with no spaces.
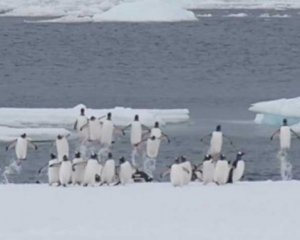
{"x":176,"y":174}
{"x":65,"y":171}
{"x":186,"y":170}
{"x":79,"y":124}
{"x":21,"y":146}
{"x":136,"y":132}
{"x":78,"y":169}
{"x":125,"y":171}
{"x":107,"y":131}
{"x":108,"y":171}
{"x":62,"y":147}
{"x":208,"y":169}
{"x":92,"y":173}
{"x":221,"y":171}
{"x":216,"y":142}
{"x":285,"y":135}
{"x":237,"y":168}
{"x":53,"y":170}
{"x":94,"y":129}
{"x":152,"y":147}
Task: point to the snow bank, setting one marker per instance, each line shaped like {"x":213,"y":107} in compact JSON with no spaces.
{"x":65,"y":117}
{"x":272,"y":112}
{"x":146,"y":11}
{"x":247,"y":210}
{"x":36,"y":134}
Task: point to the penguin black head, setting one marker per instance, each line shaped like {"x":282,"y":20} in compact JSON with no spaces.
{"x":110,"y":155}
{"x":65,"y":158}
{"x":182,"y":159}
{"x":136,"y":118}
{"x":222,"y":157}
{"x":23,"y":135}
{"x":52,"y":156}
{"x":239,"y":155}
{"x":177,"y":160}
{"x":284,"y":122}
{"x":152,"y":138}
{"x":82,"y":111}
{"x":156,"y":124}
{"x":94,"y":156}
{"x":109,"y":116}
{"x":59,"y":136}
{"x":122,"y":160}
{"x":207,"y":157}
{"x":77,"y":154}
{"x":218,"y":128}
{"x":93,"y":118}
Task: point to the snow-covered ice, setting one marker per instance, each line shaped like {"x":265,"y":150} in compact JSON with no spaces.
{"x":246,"y":210}
{"x":238,"y":15}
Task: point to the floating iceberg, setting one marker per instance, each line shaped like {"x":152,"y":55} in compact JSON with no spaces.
{"x":65,"y":117}
{"x":272,"y":112}
{"x":36,"y":134}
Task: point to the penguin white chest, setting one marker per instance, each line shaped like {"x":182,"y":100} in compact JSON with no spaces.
{"x":285,"y":137}
{"x":208,"y":171}
{"x":216,"y":143}
{"x":62,"y":147}
{"x":152,"y":148}
{"x":156,"y":132}
{"x":78,"y":170}
{"x":136,"y":133}
{"x":221,"y":172}
{"x":126,"y":172}
{"x":93,"y":168}
{"x":21,"y":148}
{"x":238,"y":172}
{"x":107,"y":132}
{"x":186,"y":172}
{"x":95,"y":130}
{"x":176,"y":175}
{"x":108,"y":172}
{"x":53,"y":171}
{"x":81,"y":121}
{"x":65,"y":172}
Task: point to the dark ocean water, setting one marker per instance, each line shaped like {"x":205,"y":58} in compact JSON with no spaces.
{"x":215,"y":67}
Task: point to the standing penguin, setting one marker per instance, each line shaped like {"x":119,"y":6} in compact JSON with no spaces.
{"x":94,"y":129}
{"x":21,"y":145}
{"x":237,"y":168}
{"x":221,"y":171}
{"x":216,"y":142}
{"x":65,"y":171}
{"x":78,"y":169}
{"x":285,"y":133}
{"x":108,"y":171}
{"x":62,"y":147}
{"x":208,"y":169}
{"x":125,"y":171}
{"x":92,"y":171}
{"x":186,"y":170}
{"x":80,"y":122}
{"x":176,"y":174}
{"x":53,"y":170}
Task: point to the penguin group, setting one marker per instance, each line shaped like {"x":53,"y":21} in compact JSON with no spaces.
{"x":97,"y":136}
{"x":101,"y":168}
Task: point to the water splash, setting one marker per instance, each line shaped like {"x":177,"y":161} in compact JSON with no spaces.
{"x":14,"y":167}
{"x":286,"y":166}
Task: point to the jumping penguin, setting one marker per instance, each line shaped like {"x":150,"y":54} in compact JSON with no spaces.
{"x":62,"y":147}
{"x":80,"y":122}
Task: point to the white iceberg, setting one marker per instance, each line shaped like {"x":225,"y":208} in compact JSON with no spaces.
{"x":246,"y":210}
{"x":35,"y":134}
{"x":237,"y":15}
{"x":65,"y":117}
{"x":272,"y":112}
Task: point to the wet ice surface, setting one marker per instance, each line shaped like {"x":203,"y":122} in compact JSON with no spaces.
{"x":216,"y":67}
